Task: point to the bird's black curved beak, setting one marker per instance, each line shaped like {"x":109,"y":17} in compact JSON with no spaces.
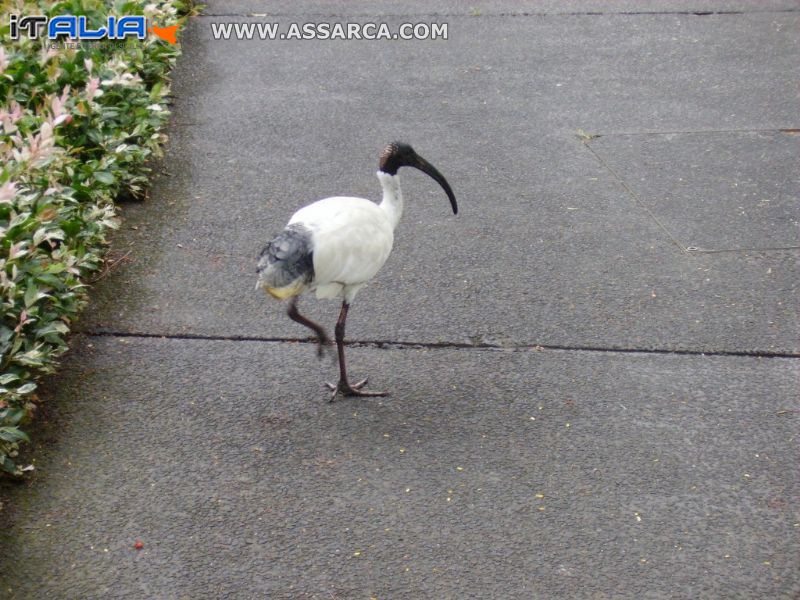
{"x":427,"y":168}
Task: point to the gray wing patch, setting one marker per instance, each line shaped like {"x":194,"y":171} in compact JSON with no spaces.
{"x":288,"y":257}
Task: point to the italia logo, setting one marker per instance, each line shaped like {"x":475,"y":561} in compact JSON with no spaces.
{"x":76,"y":28}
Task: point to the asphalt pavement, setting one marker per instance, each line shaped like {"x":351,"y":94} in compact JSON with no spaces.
{"x":594,"y":366}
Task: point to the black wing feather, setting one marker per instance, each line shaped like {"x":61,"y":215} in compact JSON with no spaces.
{"x":288,"y":257}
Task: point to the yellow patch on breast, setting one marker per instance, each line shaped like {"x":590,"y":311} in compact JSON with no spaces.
{"x":293,"y":289}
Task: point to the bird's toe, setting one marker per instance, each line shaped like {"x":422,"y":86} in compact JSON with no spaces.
{"x":360,"y":384}
{"x":365,"y":393}
{"x":334,"y":391}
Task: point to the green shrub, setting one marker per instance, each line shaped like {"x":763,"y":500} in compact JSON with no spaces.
{"x":77,"y":126}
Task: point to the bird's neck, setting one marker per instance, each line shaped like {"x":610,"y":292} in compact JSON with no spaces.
{"x":392,"y":202}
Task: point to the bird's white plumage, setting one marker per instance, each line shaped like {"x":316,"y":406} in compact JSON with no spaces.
{"x":351,"y":239}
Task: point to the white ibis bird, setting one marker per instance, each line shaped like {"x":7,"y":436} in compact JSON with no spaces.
{"x":335,"y":246}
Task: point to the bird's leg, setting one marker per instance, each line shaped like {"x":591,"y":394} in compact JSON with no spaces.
{"x":322,"y":337}
{"x":344,"y":386}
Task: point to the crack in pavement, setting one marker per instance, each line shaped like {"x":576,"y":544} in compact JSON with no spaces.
{"x":396,"y":345}
{"x":636,"y":199}
{"x":689,"y":249}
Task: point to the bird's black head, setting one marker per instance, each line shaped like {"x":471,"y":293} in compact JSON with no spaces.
{"x":396,"y":155}
{"x":399,"y":154}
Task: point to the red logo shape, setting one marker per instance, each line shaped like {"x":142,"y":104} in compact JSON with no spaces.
{"x":168,"y":34}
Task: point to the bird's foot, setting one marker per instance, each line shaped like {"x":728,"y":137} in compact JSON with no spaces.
{"x":325,"y":347}
{"x":345,"y":388}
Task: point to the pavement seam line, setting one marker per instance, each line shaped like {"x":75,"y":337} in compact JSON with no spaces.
{"x":788,"y":130}
{"x":695,"y":250}
{"x":389,"y":345}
